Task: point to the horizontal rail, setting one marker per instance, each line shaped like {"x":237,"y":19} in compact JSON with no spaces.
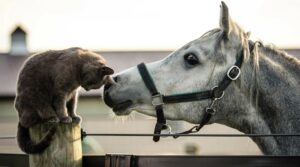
{"x":7,"y":137}
{"x":171,"y":135}
{"x":191,"y":135}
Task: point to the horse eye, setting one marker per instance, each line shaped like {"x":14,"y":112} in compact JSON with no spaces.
{"x":191,"y":59}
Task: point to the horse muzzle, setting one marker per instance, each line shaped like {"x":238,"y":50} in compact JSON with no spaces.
{"x":119,"y":106}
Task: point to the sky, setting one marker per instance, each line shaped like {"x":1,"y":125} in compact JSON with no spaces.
{"x":142,"y":24}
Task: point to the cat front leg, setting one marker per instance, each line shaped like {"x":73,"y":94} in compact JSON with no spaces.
{"x":71,"y":106}
{"x":59,"y":104}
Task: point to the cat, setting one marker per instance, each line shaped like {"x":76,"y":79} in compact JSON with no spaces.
{"x":47,"y":90}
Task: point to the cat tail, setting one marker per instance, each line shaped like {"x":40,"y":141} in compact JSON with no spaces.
{"x":30,"y":147}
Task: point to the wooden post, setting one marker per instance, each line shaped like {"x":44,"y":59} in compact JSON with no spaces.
{"x":65,"y":149}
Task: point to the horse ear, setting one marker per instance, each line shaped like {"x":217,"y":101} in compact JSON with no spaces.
{"x":225,"y":20}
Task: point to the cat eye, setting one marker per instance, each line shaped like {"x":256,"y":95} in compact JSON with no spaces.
{"x":191,"y":59}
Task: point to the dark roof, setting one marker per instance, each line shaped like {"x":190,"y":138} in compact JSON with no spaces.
{"x":18,"y":29}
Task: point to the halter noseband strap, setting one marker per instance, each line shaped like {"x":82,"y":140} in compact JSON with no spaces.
{"x":158,"y":100}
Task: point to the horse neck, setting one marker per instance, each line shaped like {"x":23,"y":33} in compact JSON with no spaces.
{"x":273,"y":89}
{"x":271,"y":104}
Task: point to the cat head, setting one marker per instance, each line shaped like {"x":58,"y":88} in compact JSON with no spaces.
{"x":94,"y":76}
{"x":94,"y":71}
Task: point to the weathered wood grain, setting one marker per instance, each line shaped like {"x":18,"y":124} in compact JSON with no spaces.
{"x":65,"y":149}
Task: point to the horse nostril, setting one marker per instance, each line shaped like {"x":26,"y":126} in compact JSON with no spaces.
{"x":116,"y":78}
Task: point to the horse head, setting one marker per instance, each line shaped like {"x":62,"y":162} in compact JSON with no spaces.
{"x":197,"y":66}
{"x":255,"y":102}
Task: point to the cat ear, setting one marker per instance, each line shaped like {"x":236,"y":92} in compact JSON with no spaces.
{"x":107,"y":70}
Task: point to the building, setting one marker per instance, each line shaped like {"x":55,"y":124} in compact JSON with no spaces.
{"x":18,"y":42}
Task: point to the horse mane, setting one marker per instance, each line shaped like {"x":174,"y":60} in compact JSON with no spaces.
{"x":282,"y":56}
{"x":291,"y":63}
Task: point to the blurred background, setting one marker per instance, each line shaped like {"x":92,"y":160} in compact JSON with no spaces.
{"x":127,"y":33}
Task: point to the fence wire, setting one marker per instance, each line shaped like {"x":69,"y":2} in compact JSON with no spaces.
{"x":171,"y":135}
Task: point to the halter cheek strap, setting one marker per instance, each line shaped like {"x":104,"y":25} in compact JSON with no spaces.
{"x":158,"y":100}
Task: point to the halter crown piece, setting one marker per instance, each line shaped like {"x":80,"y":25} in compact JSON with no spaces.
{"x":216,"y":93}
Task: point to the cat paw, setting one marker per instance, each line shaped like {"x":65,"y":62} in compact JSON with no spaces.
{"x":66,"y":120}
{"x":53,"y":120}
{"x":76,"y":119}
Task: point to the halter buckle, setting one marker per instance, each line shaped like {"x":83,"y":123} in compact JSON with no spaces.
{"x":234,"y":72}
{"x":157,"y":100}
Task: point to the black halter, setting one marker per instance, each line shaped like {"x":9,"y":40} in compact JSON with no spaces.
{"x":158,"y":100}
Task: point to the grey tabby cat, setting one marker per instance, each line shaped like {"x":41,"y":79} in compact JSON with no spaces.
{"x":47,"y":90}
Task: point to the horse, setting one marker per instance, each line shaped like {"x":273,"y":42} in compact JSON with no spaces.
{"x":262,"y":97}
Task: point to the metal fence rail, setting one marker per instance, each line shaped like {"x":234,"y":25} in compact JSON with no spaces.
{"x":84,"y":134}
{"x":190,"y":135}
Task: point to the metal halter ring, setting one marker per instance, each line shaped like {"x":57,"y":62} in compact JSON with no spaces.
{"x":235,"y":76}
{"x":168,"y":129}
